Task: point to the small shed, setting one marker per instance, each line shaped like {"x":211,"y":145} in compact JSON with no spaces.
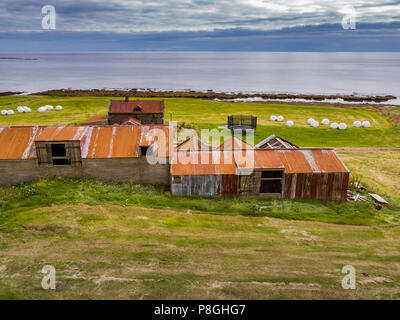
{"x":306,"y":173}
{"x":146,"y":111}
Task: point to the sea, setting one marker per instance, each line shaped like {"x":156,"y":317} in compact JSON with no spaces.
{"x":247,"y":72}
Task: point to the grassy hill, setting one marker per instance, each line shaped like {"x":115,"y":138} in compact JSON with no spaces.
{"x":125,"y":241}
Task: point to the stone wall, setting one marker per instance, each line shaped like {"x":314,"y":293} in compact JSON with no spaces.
{"x":145,"y":118}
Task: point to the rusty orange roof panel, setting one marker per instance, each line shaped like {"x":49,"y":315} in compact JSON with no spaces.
{"x":62,"y":133}
{"x":203,"y":163}
{"x":136,"y":106}
{"x":159,"y":137}
{"x":292,"y":160}
{"x":257,"y":159}
{"x":110,"y":142}
{"x":311,"y":161}
{"x":18,"y":142}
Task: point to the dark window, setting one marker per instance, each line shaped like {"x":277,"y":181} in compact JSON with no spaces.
{"x":271,"y":174}
{"x":177,"y":180}
{"x":143,"y":150}
{"x":138,"y":109}
{"x":58,"y":150}
{"x":271,"y":181}
{"x":271,"y":186}
{"x":59,"y":155}
{"x":61,"y":162}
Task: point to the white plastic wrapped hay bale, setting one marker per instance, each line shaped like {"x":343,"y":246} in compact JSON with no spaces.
{"x":289,"y":123}
{"x":27,"y":109}
{"x":325,"y":121}
{"x":272,"y":118}
{"x":314,"y":124}
{"x":280,"y":118}
{"x":20,"y":109}
{"x":309,"y":121}
{"x":334,"y":125}
{"x":342,"y":126}
{"x":357,"y":124}
{"x":4,"y":112}
{"x":49,"y":107}
{"x":42,"y":109}
{"x":59,"y":108}
{"x":10,"y":112}
{"x":366,"y":124}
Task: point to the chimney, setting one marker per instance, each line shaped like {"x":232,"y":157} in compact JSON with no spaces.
{"x":126,"y":99}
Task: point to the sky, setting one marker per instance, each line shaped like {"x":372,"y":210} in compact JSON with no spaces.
{"x":201,"y":25}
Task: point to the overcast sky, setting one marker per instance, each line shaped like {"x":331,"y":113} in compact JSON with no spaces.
{"x":18,"y":17}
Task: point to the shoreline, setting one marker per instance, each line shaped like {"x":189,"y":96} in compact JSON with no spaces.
{"x":338,"y":100}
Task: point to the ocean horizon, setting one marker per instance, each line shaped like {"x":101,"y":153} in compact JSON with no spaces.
{"x":248,"y":72}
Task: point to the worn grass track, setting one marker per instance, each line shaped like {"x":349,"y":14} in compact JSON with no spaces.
{"x":116,"y":252}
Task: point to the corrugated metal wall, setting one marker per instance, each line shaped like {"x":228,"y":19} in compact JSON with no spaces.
{"x":317,"y":186}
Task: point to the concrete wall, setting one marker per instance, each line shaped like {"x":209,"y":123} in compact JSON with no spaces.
{"x":136,"y":169}
{"x":145,"y":118}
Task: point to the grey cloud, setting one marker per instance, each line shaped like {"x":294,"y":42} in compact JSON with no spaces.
{"x":188,"y":15}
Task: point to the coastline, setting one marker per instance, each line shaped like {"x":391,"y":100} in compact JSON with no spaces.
{"x":268,"y":98}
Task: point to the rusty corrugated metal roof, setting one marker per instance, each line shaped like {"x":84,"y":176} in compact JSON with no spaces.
{"x":192,"y":144}
{"x":295,"y":160}
{"x":203,"y":163}
{"x":311,"y":160}
{"x":95,"y":141}
{"x":18,"y":142}
{"x":256,"y":159}
{"x":62,"y":133}
{"x":234,"y":143}
{"x":136,"y":106}
{"x":110,"y":142}
{"x":157,"y":135}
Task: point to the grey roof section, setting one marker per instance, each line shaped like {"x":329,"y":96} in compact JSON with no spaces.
{"x":274,"y":142}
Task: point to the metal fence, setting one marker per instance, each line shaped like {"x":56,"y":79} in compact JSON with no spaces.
{"x":242,"y":122}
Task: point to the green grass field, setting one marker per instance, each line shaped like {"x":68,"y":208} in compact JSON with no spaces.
{"x":123,"y":241}
{"x":210,"y":114}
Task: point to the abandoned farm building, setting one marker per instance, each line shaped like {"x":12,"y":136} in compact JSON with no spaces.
{"x":113,"y":153}
{"x":145,"y":111}
{"x":118,"y":153}
{"x":303,"y":173}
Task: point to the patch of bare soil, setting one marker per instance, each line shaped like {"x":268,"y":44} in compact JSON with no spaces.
{"x":47,"y":229}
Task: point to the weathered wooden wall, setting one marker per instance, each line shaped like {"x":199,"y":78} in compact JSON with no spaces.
{"x":206,"y":185}
{"x":317,"y":186}
{"x":136,"y":169}
{"x":249,"y":185}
